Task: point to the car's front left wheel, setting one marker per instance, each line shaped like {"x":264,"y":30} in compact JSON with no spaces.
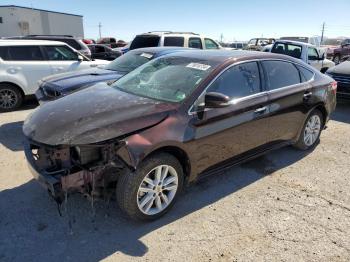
{"x":151,"y":190}
{"x":10,"y":97}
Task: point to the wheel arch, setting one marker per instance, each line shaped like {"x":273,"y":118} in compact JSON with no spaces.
{"x":178,"y":153}
{"x":14,"y":85}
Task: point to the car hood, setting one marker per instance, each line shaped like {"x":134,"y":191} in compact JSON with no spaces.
{"x":95,"y":114}
{"x":342,"y":68}
{"x":67,"y":82}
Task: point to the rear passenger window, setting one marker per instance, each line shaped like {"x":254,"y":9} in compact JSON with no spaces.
{"x":306,"y":75}
{"x":281,"y":74}
{"x":25,"y":53}
{"x":238,"y":81}
{"x":173,"y":41}
{"x":195,"y":42}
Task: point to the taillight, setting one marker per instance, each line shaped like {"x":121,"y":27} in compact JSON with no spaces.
{"x":334,"y":86}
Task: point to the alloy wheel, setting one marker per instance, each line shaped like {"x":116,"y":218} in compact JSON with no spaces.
{"x":312,"y":130}
{"x":8,"y":98}
{"x":157,"y":190}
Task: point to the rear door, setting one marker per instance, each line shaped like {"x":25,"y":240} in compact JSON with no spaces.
{"x":27,"y":65}
{"x":288,"y":95}
{"x":222,"y":133}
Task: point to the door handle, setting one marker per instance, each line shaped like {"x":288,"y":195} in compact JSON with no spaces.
{"x":60,"y":68}
{"x":307,"y":95}
{"x":260,"y":110}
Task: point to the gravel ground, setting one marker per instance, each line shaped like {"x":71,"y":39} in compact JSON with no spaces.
{"x":285,"y":206}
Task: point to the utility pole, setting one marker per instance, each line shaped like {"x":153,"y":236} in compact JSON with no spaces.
{"x":99,"y":29}
{"x":323,"y":25}
{"x":221,"y":37}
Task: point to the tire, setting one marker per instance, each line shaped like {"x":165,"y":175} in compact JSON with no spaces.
{"x":10,"y":97}
{"x":303,"y":142}
{"x":336,"y":59}
{"x":131,"y":190}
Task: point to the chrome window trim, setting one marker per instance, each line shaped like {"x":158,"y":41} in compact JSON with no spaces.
{"x":190,"y":112}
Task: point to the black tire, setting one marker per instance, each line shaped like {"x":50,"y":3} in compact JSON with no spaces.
{"x":128,"y":185}
{"x":300,"y":144}
{"x":16,"y":95}
{"x":336,"y":59}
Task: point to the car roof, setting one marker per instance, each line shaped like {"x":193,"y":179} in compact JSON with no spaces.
{"x":294,"y":42}
{"x":159,"y":50}
{"x":5,"y":42}
{"x":221,"y":56}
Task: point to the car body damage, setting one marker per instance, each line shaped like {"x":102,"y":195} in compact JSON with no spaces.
{"x":87,"y":149}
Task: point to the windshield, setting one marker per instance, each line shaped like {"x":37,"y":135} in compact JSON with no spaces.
{"x":128,"y":62}
{"x":169,"y":79}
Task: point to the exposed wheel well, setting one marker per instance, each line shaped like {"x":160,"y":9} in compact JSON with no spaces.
{"x":179,"y":154}
{"x":14,"y":85}
{"x":323,"y":110}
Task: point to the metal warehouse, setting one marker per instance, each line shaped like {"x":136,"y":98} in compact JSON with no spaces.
{"x":18,"y":21}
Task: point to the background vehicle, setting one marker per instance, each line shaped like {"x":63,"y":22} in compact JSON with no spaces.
{"x":123,"y":49}
{"x":212,"y":109}
{"x":340,"y":52}
{"x":24,"y":62}
{"x":306,"y":52}
{"x":53,"y":87}
{"x":112,"y":42}
{"x":258,"y":44}
{"x":341,"y":74}
{"x":77,"y":44}
{"x":169,"y":38}
{"x":103,"y":52}
{"x":89,"y":41}
{"x":238,"y":45}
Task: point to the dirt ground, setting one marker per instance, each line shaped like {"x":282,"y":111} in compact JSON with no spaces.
{"x":285,"y":206}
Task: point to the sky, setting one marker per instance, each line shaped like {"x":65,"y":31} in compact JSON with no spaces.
{"x":233,"y":20}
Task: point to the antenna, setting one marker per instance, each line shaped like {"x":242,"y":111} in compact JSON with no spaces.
{"x":99,"y":29}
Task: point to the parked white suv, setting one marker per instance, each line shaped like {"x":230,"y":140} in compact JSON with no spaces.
{"x":310,"y":54}
{"x":169,"y":38}
{"x":24,"y":62}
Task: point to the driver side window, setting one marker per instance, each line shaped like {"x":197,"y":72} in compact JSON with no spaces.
{"x":238,"y":81}
{"x":59,"y":53}
{"x":312,"y":53}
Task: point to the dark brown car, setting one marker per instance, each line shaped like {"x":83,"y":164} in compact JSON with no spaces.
{"x":173,"y":120}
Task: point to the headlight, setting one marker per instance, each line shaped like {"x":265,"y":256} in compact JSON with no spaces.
{"x":87,"y":154}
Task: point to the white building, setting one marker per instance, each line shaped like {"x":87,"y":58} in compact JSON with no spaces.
{"x":19,"y":21}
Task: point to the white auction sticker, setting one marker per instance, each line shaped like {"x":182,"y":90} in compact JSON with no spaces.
{"x":198,"y":66}
{"x":147,"y":55}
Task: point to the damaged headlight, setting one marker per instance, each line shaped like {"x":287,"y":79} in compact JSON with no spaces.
{"x":87,"y":154}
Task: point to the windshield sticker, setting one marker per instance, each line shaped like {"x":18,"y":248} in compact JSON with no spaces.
{"x":147,"y":55}
{"x":198,"y":66}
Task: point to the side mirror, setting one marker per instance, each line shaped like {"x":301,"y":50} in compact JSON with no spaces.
{"x":216,"y":100}
{"x":80,"y":58}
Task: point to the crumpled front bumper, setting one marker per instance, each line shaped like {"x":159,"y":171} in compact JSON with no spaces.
{"x":49,"y":180}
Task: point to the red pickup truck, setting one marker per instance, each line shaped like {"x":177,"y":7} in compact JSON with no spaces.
{"x":340,"y":52}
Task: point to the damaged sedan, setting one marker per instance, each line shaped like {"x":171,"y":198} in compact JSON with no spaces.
{"x":173,"y":120}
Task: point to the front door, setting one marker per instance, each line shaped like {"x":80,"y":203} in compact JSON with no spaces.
{"x":222,"y":133}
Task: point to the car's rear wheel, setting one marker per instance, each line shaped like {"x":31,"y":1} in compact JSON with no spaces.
{"x":336,"y":59}
{"x":151,"y":190}
{"x":311,"y":132}
{"x":10,"y":97}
